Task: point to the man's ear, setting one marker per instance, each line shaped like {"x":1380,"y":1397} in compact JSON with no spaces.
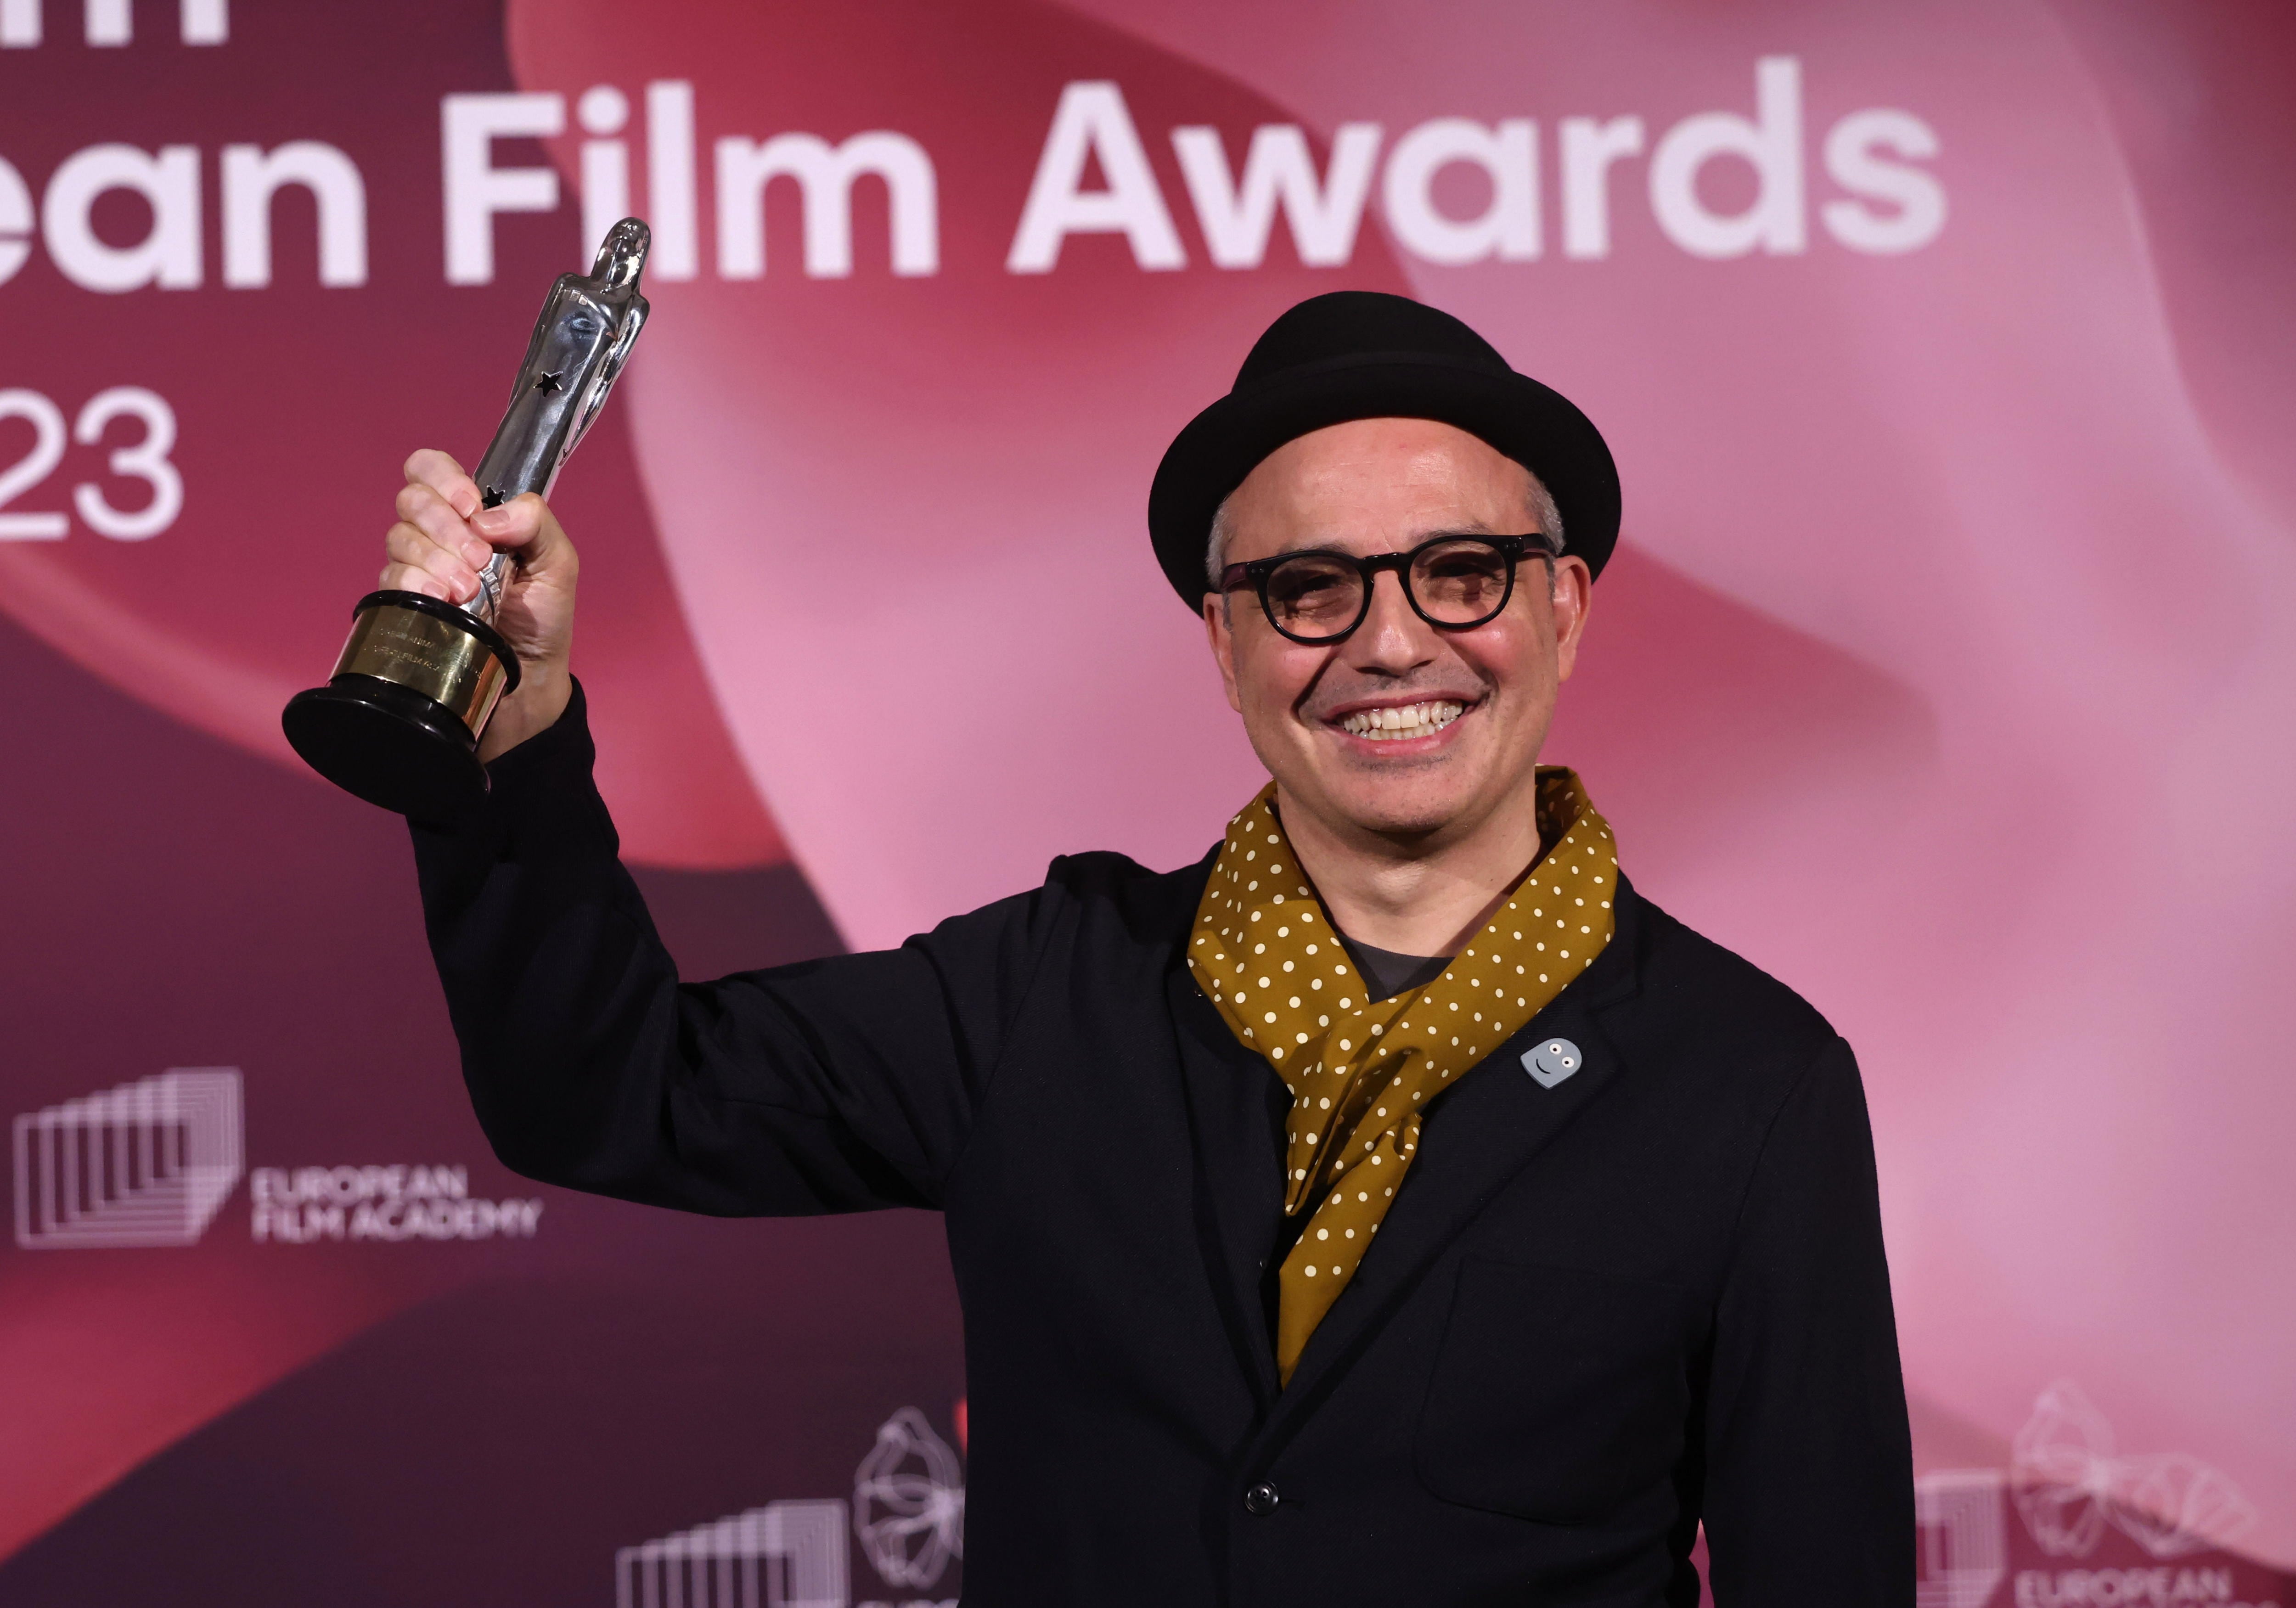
{"x":1217,"y":623}
{"x":1570,"y":595}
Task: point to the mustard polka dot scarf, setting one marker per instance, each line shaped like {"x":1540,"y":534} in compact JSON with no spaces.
{"x":1362,"y":1071}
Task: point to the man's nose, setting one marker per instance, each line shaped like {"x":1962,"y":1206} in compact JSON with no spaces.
{"x":1392,"y":638}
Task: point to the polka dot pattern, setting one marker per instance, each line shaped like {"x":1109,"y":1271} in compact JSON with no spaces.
{"x":1362,"y":1072}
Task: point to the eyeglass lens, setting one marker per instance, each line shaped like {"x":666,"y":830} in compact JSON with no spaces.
{"x":1454,"y":583}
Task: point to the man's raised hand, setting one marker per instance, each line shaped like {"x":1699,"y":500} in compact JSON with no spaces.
{"x":443,"y":538}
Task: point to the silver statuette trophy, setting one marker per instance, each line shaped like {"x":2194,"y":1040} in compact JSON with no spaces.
{"x":400,"y":722}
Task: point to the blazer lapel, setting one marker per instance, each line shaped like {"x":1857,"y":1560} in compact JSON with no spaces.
{"x":1232,"y":1098}
{"x":1485,"y":1131}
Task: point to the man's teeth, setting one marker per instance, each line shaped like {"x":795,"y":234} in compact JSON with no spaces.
{"x":1409,"y":720}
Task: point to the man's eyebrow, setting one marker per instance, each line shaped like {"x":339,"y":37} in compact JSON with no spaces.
{"x":1474,"y":528}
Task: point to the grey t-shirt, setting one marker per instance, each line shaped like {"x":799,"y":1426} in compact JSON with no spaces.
{"x":1389,"y":974}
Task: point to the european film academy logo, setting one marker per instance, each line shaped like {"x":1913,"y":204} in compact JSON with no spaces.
{"x":148,"y":1163}
{"x":907,"y":1514}
{"x":2074,"y":1490}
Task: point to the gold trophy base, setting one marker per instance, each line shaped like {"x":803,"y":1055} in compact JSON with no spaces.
{"x":398,"y":723}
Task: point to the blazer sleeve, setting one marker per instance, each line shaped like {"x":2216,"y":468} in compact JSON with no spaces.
{"x":835,"y":1085}
{"x":1808,"y":1495}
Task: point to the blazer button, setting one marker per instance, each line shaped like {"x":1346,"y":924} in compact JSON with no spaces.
{"x":1260,"y":1500}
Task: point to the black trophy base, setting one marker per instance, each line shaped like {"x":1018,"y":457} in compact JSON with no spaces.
{"x":389,"y":745}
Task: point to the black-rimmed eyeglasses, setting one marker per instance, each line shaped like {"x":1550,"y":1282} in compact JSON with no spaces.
{"x":1454,"y":583}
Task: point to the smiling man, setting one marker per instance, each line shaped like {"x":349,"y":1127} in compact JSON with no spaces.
{"x":1393,"y":1207}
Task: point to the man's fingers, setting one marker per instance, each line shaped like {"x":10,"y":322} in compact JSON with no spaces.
{"x":426,"y":508}
{"x":525,"y":525}
{"x":443,"y":538}
{"x":406,"y":577}
{"x":433,"y":467}
{"x":401,"y":578}
{"x":415,"y":557}
{"x":412,"y":547}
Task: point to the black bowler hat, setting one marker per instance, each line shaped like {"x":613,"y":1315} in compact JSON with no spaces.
{"x":1367,"y":355}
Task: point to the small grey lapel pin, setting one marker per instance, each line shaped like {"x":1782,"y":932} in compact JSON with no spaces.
{"x":1552,"y":1061}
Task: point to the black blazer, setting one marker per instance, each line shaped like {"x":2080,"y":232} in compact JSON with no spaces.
{"x":1596,"y":1313}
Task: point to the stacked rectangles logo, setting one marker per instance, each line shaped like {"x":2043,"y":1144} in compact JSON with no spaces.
{"x":148,"y":1163}
{"x":784,"y":1555}
{"x":1963,"y":1542}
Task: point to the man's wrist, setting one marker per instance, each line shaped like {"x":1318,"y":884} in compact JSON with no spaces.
{"x":534,"y":709}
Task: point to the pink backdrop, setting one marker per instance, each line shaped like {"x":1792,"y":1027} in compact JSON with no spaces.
{"x":1945,"y":669}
